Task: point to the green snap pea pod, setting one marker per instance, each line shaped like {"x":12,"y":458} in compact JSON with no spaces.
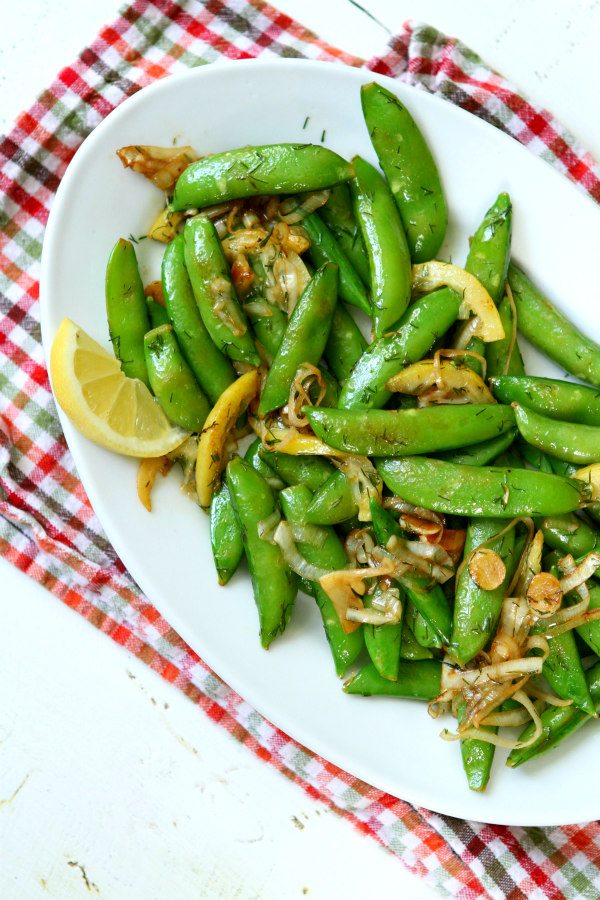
{"x":557,"y":724}
{"x":214,"y":373}
{"x":324,"y":248}
{"x":551,"y":332}
{"x":410,"y":649}
{"x":566,"y":440}
{"x":488,"y":259}
{"x":172,"y":381}
{"x":550,"y":397}
{"x":269,"y":330}
{"x":258,"y":462}
{"x":427,"y":597}
{"x":345,"y":344}
{"x":311,"y":471}
{"x":485,"y":492}
{"x":385,"y":240}
{"x":477,"y":756}
{"x":417,"y":680}
{"x":249,"y":171}
{"x":273,"y":584}
{"x":409,"y":168}
{"x":338,"y":215}
{"x":345,"y":648}
{"x":333,"y":502}
{"x":157,"y":314}
{"x":590,"y":632}
{"x":569,"y":534}
{"x":489,"y":252}
{"x":225,"y":534}
{"x":383,"y":643}
{"x":405,"y":432}
{"x":304,"y":339}
{"x":332,"y":388}
{"x":564,"y":673}
{"x":497,"y":352}
{"x":533,"y":456}
{"x":424,"y":634}
{"x":422,"y":324}
{"x":212,"y":286}
{"x":476,"y":611}
{"x":481,"y":454}
{"x":126,"y":310}
{"x":560,"y":467}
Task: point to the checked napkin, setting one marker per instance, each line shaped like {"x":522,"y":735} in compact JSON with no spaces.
{"x":47,"y":527}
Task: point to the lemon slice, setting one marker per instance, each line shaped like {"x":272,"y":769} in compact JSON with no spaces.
{"x":106,"y":406}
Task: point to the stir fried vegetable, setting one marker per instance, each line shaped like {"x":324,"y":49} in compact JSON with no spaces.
{"x":435,"y":514}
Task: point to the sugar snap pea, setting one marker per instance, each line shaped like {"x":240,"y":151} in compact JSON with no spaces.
{"x":333,"y":501}
{"x":172,"y":381}
{"x":569,"y":534}
{"x":557,"y":724}
{"x":426,"y":596}
{"x":157,"y":314}
{"x":423,"y":323}
{"x":385,"y":240}
{"x":489,"y":491}
{"x":311,"y":471}
{"x":590,"y":632}
{"x":416,"y":680}
{"x":253,"y":456}
{"x":551,"y":332}
{"x":488,"y":258}
{"x":503,"y":357}
{"x":225,"y":534}
{"x":214,"y":373}
{"x":274,"y":585}
{"x":330,"y":554}
{"x":304,"y":339}
{"x":477,"y":756}
{"x":556,"y":399}
{"x":215,"y":294}
{"x":265,"y":170}
{"x":572,"y":442}
{"x":409,"y":168}
{"x":126,"y":310}
{"x":564,"y":673}
{"x":338,"y":215}
{"x":481,"y":454}
{"x":383,"y":643}
{"x":410,"y":649}
{"x":345,"y":344}
{"x":405,"y":432}
{"x":324,"y":248}
{"x":476,"y":611}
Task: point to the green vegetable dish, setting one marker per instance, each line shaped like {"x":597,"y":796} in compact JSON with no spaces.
{"x":438,"y":503}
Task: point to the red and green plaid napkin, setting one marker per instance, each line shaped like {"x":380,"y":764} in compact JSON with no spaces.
{"x":47,"y":527}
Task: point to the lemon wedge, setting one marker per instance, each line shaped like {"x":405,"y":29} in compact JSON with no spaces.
{"x":112,"y":410}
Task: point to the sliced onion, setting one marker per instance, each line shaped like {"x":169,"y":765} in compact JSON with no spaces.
{"x":315,"y":535}
{"x":266,"y":527}
{"x":511,"y":718}
{"x":224,"y":306}
{"x":368,"y":616}
{"x":345,"y":589}
{"x":580,"y":573}
{"x":497,"y":672}
{"x":160,"y":165}
{"x":284,"y":538}
{"x":258,"y":308}
{"x":359,"y":545}
{"x":243,"y":241}
{"x":430,"y":559}
{"x":545,"y":696}
{"x":398,"y":505}
{"x":306,"y":377}
{"x":294,"y":209}
{"x":365,"y":482}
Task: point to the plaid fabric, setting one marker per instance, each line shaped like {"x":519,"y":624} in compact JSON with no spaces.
{"x":47,"y":527}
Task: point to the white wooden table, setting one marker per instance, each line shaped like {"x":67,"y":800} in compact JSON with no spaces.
{"x":111,"y":782}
